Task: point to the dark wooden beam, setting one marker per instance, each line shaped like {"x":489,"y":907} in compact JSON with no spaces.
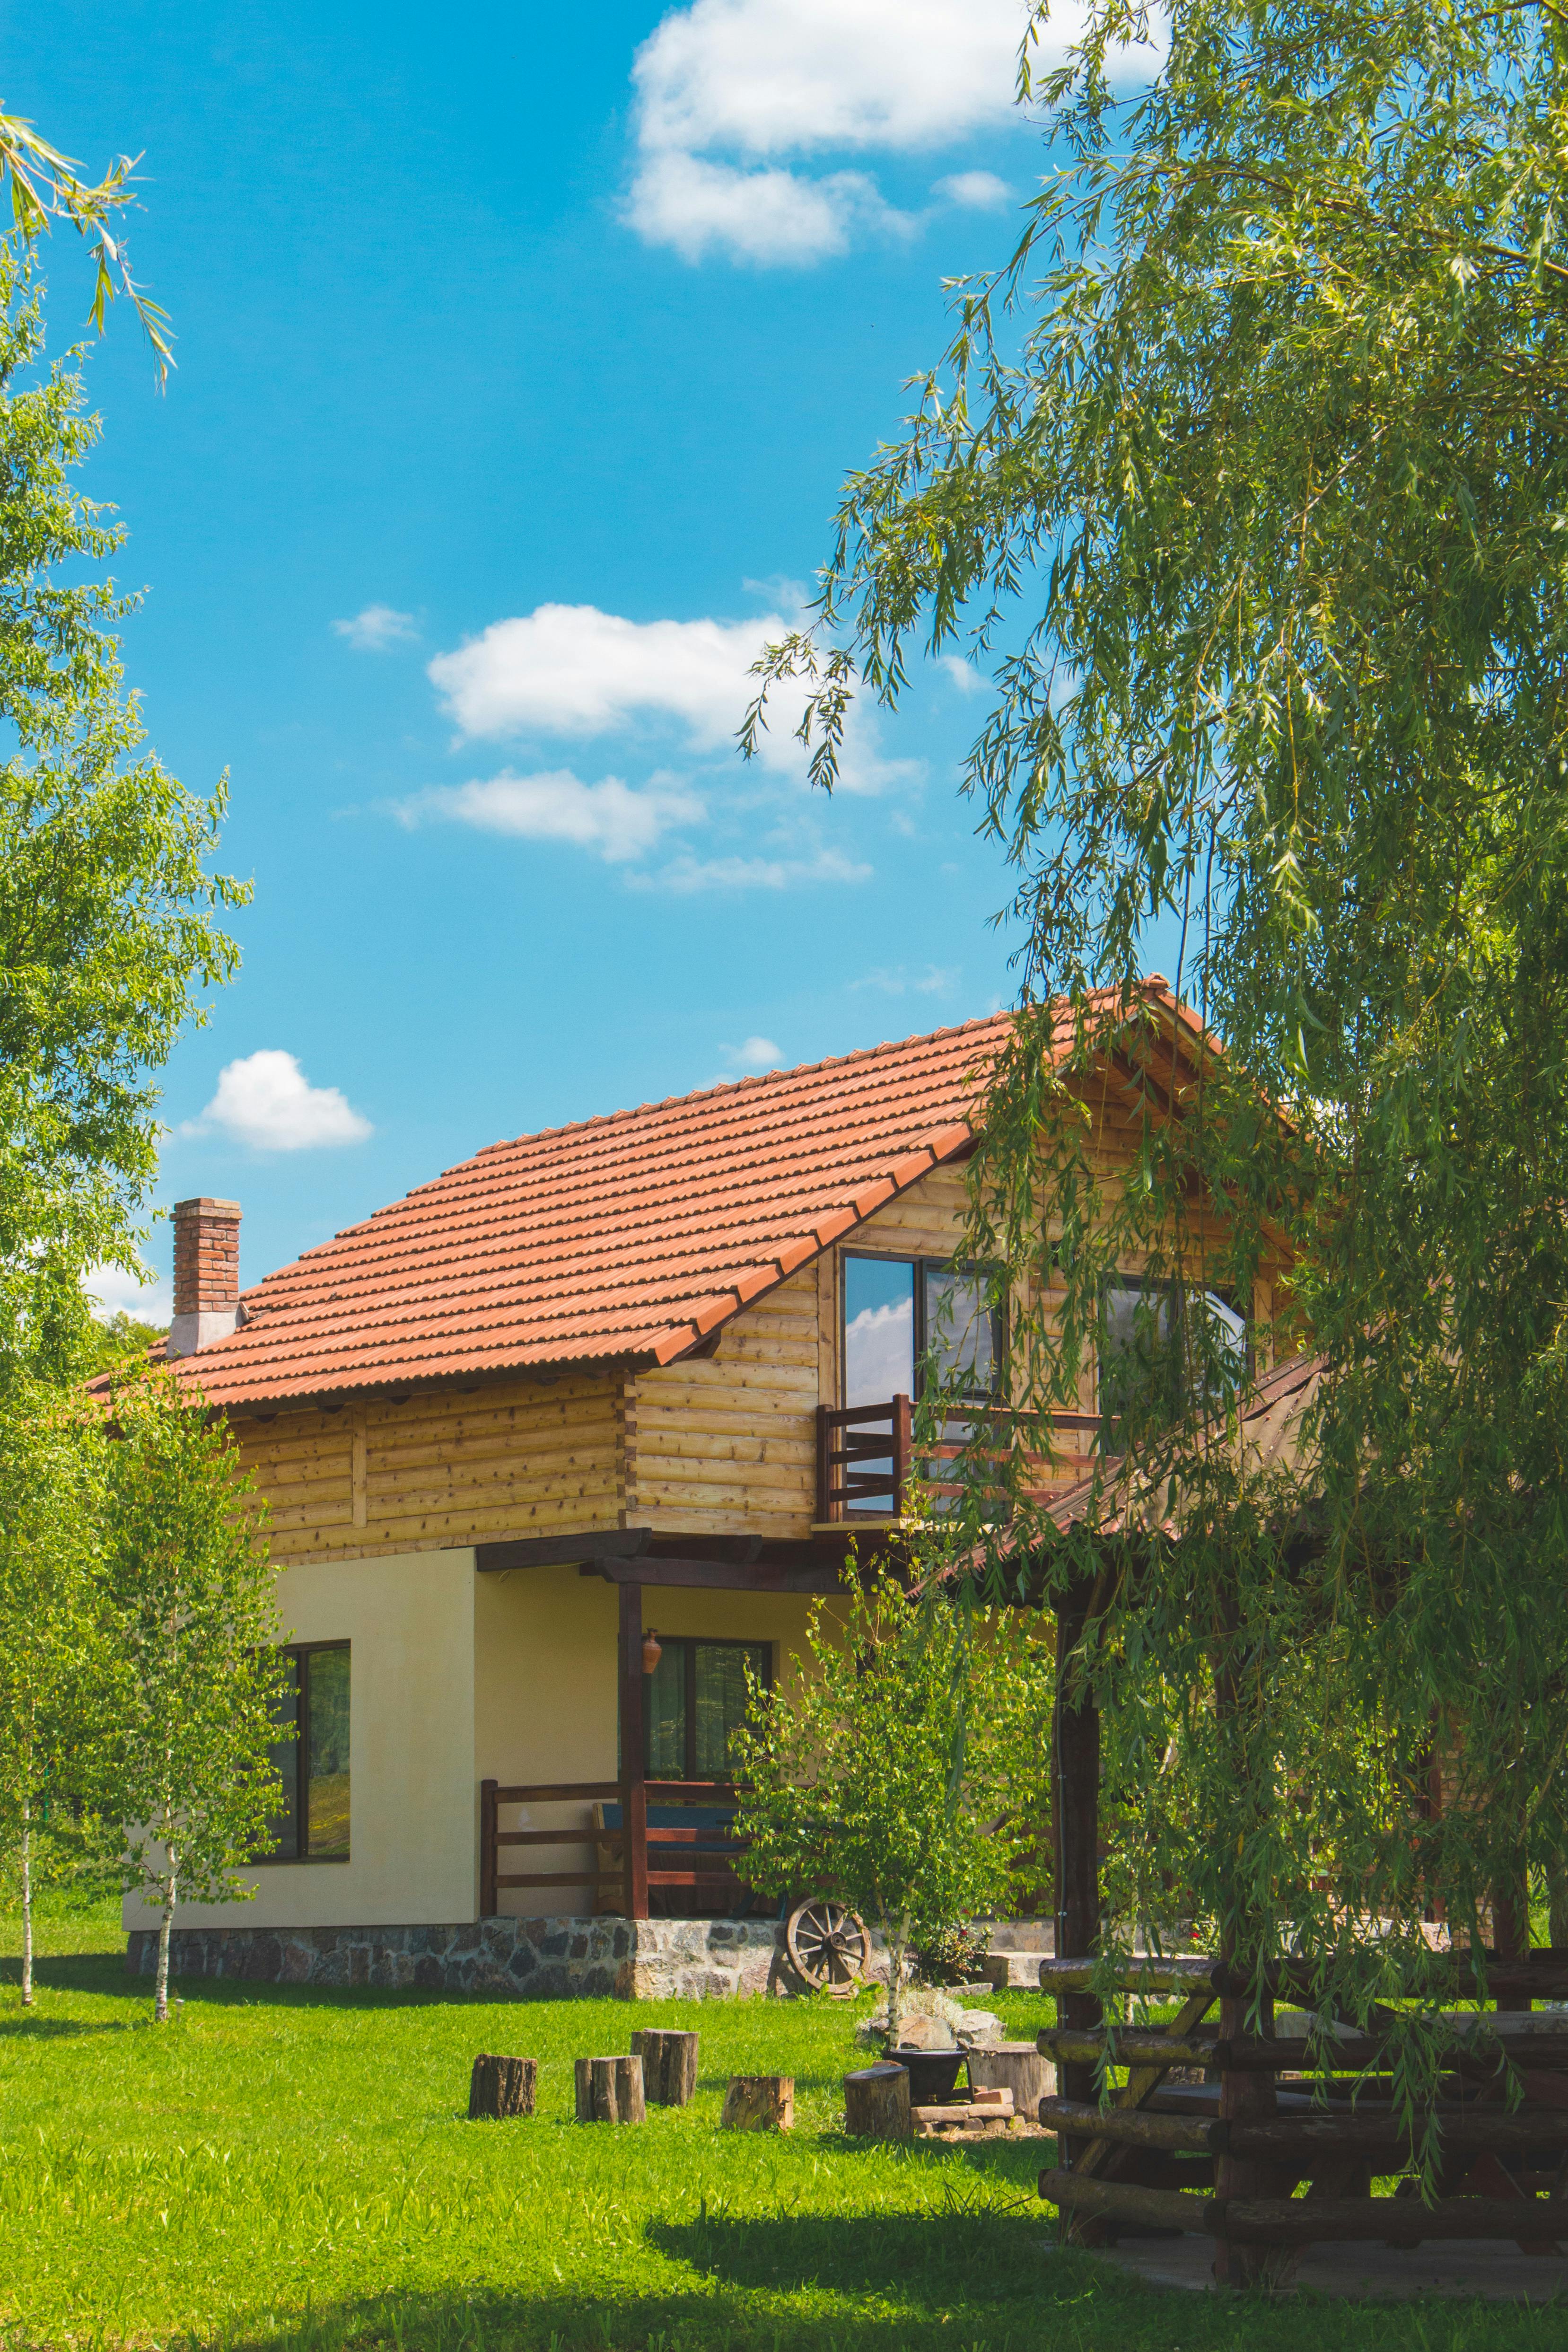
{"x":718,"y":1575}
{"x":1075,"y":1820}
{"x":560,"y":1551}
{"x":634,"y":1794}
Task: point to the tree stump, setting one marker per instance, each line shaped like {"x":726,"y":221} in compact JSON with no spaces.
{"x":759,"y":2103}
{"x":609,"y":2091}
{"x":1014,"y":2066}
{"x":501,"y":2086}
{"x":876,"y":2102}
{"x":669,"y":2065}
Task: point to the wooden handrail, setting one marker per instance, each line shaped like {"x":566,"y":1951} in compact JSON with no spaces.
{"x":884,"y":1434}
{"x":632,"y":1836}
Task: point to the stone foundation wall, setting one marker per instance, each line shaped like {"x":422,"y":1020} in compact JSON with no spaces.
{"x":525,"y":1960}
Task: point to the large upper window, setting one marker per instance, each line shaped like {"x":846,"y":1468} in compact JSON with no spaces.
{"x":1160,"y":1343}
{"x":908,"y":1319}
{"x":312,"y":1824}
{"x":695,"y":1699}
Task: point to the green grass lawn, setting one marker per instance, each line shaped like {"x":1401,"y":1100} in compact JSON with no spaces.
{"x":285,"y":2167}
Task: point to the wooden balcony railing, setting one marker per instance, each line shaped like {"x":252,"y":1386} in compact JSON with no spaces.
{"x":634,"y":1875}
{"x":866,"y":1455}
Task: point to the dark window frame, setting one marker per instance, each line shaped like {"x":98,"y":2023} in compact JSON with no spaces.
{"x":1156,"y":1285}
{"x":691,"y":1643}
{"x":921,"y":1265}
{"x":298,"y":1762}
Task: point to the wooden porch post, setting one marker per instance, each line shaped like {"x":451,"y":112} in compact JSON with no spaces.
{"x":1244,"y":2098}
{"x":634,"y":1751}
{"x":1075,"y":1821}
{"x":487,"y":1820}
{"x":903,"y":1447}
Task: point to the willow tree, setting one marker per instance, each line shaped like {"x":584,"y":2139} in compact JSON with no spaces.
{"x":1247,"y":478}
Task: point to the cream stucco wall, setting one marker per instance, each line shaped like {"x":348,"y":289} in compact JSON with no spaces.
{"x":455,"y":1677}
{"x":408,"y":1622}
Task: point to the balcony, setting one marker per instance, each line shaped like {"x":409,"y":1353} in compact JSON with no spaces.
{"x":866,"y":1458}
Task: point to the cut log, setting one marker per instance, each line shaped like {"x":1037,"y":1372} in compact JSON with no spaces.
{"x":1397,"y":2220}
{"x":501,"y":2086}
{"x":1014,"y":2066}
{"x":609,"y":2091}
{"x":876,"y":2103}
{"x":1121,"y":2201}
{"x":1181,"y":1975}
{"x":1134,"y":2046}
{"x":1384,"y":2134}
{"x":759,"y":2102}
{"x":669,"y":2065}
{"x":1129,"y":2127}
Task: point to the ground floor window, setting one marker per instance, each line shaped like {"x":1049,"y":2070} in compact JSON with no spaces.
{"x":695,"y":1699}
{"x":312,"y":1824}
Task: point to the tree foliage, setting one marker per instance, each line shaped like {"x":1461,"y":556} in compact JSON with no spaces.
{"x":47,"y":186}
{"x":1248,"y":478}
{"x":108,"y":910}
{"x":895,"y":1771}
{"x":200,"y":1676}
{"x":56,"y":1651}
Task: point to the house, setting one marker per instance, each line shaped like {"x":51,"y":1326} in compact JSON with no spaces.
{"x":553,"y":1451}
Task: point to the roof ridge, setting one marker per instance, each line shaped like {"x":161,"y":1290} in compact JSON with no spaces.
{"x":751,"y":1078}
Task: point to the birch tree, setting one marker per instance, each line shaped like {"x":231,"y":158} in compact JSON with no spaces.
{"x":54,"y":1653}
{"x":200,"y":1675}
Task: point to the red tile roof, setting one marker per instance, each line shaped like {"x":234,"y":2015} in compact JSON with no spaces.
{"x":632,"y":1235}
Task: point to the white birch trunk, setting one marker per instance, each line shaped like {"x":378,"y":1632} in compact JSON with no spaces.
{"x":897,"y":1944}
{"x":160,"y":1983}
{"x":27,"y":1908}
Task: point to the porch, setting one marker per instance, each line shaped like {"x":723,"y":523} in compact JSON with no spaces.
{"x":652,"y":1842}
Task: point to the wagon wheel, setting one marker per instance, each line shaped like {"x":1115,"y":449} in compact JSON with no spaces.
{"x":828,"y":1945}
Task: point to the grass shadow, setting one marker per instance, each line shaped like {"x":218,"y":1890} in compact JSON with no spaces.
{"x":961,"y":2252}
{"x":1076,"y":2305}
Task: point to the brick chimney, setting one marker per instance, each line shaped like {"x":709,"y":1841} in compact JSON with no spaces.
{"x":207,"y":1274}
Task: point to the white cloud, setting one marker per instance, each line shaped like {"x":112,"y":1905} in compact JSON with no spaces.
{"x":686,"y":875}
{"x":769,"y":77}
{"x":572,"y":670}
{"x":112,"y":1291}
{"x":728,"y":89}
{"x":771,"y":216}
{"x":756,"y":1054}
{"x":608,"y":816}
{"x":963,"y":675}
{"x":266,"y":1101}
{"x":937,"y":980}
{"x":377,"y":629}
{"x":981,"y":190}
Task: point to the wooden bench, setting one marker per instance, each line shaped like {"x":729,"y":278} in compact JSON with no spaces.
{"x":707,"y":1845}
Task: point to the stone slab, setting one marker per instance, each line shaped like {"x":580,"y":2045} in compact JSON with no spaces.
{"x":1467,"y":2269}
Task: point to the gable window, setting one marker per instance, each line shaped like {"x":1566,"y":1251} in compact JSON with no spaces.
{"x":312,"y":1823}
{"x":1160,"y":1343}
{"x":694,"y":1701}
{"x":911,"y":1322}
{"x":907,"y":1319}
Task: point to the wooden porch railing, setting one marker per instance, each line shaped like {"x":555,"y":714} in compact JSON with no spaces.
{"x":635,"y":1875}
{"x":865,"y":1453}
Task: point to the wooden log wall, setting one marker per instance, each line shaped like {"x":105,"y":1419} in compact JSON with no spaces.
{"x":439,"y":1468}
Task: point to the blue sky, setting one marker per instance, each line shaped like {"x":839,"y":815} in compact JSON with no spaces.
{"x":521,"y":354}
